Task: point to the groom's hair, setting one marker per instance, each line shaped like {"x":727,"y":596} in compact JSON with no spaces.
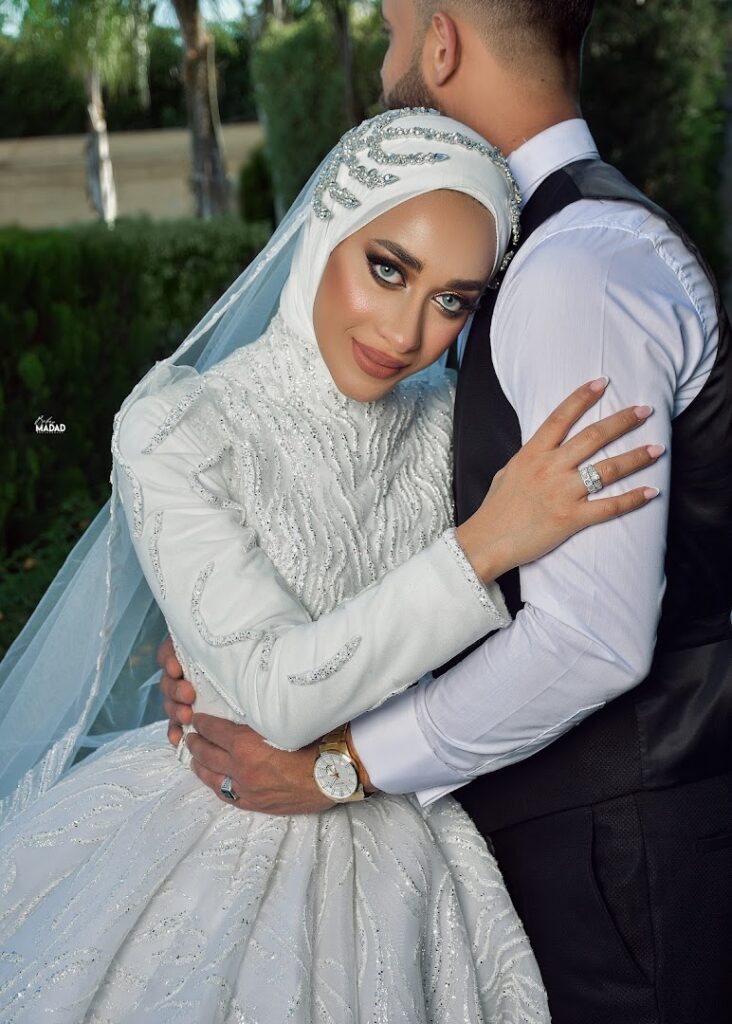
{"x":521,"y":30}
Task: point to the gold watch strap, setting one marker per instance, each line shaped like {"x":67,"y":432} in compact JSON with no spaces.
{"x":335,"y":740}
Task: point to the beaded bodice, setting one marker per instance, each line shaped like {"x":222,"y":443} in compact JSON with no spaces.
{"x":337,"y":491}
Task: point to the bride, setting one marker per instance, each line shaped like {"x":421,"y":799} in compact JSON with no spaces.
{"x":291,"y":511}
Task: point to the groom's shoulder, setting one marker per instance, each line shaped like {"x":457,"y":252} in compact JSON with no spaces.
{"x":593,"y":244}
{"x":597,"y":230}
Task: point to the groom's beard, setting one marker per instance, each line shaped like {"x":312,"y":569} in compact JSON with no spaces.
{"x":411,"y":90}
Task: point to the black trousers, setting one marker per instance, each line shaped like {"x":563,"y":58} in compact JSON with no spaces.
{"x":628,"y":905}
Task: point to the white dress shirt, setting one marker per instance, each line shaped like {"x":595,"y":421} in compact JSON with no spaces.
{"x":601,"y":288}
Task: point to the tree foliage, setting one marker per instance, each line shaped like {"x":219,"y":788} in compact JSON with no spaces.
{"x":39,"y":97}
{"x":653,"y":84}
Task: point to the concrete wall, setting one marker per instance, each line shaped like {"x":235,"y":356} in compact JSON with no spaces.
{"x":42,"y":179}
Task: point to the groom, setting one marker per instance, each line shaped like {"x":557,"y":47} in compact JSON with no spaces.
{"x":592,"y":738}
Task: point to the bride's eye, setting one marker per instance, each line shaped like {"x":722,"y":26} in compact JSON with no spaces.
{"x":454,"y":305}
{"x":383,"y":271}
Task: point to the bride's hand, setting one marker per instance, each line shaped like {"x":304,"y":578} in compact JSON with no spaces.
{"x":538,"y":500}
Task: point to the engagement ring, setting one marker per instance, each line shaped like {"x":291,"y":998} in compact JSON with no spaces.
{"x":591,"y":479}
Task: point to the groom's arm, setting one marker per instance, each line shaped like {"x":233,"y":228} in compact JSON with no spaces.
{"x":587,"y":631}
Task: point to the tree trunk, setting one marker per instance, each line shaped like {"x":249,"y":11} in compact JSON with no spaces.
{"x":209,"y":181}
{"x":99,"y":177}
{"x":142,"y":15}
{"x":278,"y":8}
{"x":339,"y":10}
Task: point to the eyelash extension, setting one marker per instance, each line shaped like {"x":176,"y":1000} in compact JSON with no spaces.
{"x":468,"y":307}
{"x":374,"y":261}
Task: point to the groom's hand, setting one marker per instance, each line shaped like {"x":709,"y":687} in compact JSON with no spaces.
{"x":264,"y":779}
{"x":178,"y":693}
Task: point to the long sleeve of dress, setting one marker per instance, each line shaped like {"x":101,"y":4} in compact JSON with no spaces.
{"x":291,"y":678}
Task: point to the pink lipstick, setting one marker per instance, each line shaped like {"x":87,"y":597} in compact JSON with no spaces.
{"x":375,"y":363}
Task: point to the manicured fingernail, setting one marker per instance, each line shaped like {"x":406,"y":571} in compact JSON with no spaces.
{"x":599,"y":385}
{"x":650,"y":492}
{"x":654,"y":450}
{"x":643,"y":411}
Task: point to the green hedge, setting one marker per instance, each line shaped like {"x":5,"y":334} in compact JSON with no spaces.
{"x":84,"y":312}
{"x":26,"y":574}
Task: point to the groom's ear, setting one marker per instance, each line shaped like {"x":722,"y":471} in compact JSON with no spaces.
{"x":442,"y":49}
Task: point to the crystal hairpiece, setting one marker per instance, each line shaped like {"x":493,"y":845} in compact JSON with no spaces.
{"x":371,"y":136}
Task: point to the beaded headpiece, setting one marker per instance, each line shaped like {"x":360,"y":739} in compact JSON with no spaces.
{"x":370,"y":137}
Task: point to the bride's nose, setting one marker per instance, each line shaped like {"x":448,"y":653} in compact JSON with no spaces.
{"x":401,"y":326}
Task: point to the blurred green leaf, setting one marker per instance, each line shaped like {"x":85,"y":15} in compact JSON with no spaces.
{"x":30,"y":371}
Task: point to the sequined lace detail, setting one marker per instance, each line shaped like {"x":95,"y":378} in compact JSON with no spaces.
{"x":283,"y":421}
{"x":473,"y":579}
{"x":153,"y":549}
{"x":216,"y":640}
{"x":173,"y":418}
{"x":137,"y":510}
{"x":267,"y":645}
{"x":248,"y":914}
{"x":199,"y":487}
{"x":328,"y":668}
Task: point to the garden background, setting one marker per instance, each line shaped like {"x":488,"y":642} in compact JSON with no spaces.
{"x":221,"y":122}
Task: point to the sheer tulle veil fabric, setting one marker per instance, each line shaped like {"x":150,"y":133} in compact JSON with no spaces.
{"x":83,"y":668}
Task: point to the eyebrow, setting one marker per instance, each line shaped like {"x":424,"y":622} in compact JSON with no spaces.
{"x":402,"y":254}
{"x":466,"y":286}
{"x":411,"y":261}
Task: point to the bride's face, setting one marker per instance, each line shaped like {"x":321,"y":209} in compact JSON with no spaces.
{"x":396,"y":294}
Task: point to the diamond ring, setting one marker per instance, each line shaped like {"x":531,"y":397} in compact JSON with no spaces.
{"x":591,"y":479}
{"x":226,"y":789}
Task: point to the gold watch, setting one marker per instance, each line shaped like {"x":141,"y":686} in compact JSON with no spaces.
{"x":335,"y":771}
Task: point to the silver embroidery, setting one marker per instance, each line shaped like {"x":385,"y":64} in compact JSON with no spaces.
{"x":125,"y":467}
{"x":373,"y":135}
{"x":267,"y":644}
{"x":199,"y":487}
{"x":173,"y":418}
{"x":216,"y":640}
{"x":153,"y":549}
{"x":328,"y":668}
{"x":470,"y":574}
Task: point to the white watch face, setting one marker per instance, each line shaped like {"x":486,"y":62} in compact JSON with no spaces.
{"x":335,"y":775}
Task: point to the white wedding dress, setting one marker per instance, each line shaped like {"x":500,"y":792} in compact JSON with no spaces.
{"x":299,"y":545}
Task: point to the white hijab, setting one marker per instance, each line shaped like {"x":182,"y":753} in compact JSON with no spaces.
{"x":381,"y":163}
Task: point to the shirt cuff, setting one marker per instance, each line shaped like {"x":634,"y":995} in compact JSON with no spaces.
{"x":395,"y":753}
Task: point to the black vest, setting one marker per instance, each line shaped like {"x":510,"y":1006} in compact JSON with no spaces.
{"x":676,"y":725}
